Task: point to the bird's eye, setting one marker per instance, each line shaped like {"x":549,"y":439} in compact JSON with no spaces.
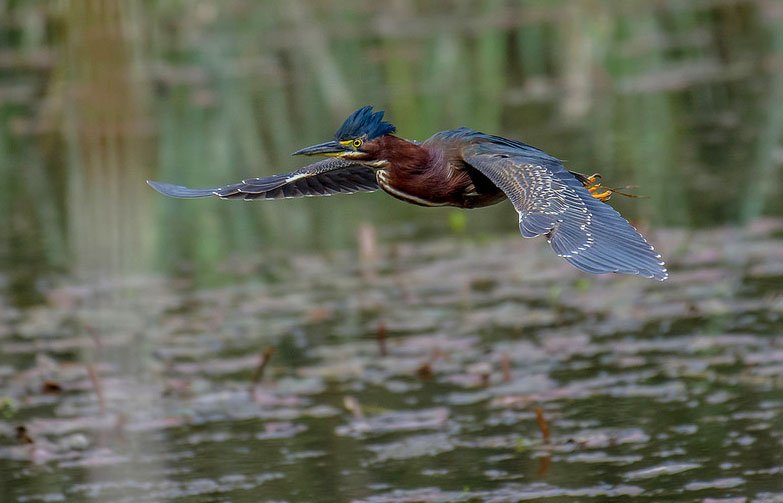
{"x":357,"y":143}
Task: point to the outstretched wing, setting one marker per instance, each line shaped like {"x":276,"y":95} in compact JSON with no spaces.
{"x":550,"y":200}
{"x":323,"y":178}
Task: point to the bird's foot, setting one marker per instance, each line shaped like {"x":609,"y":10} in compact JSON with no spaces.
{"x":592,"y":179}
{"x":602,"y":192}
{"x":601,"y":196}
{"x":593,"y":186}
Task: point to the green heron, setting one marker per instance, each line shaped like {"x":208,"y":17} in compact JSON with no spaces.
{"x":467,"y":169}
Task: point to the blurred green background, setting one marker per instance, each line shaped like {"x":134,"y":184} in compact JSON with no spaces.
{"x":682,"y":99}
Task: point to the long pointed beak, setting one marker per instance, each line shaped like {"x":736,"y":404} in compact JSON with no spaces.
{"x":329,"y":148}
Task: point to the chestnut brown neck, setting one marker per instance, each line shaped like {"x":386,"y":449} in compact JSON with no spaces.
{"x":419,"y":174}
{"x":402,"y":155}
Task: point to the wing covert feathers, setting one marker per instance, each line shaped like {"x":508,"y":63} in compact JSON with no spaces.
{"x":586,"y":232}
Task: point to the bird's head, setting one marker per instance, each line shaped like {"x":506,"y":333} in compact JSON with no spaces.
{"x":355,"y":137}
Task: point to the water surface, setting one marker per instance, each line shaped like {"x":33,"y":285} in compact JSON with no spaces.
{"x":650,"y":391}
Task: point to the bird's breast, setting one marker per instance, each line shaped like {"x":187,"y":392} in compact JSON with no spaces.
{"x":406,"y":191}
{"x":453,"y":186}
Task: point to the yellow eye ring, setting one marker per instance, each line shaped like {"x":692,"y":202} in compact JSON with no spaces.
{"x":357,"y":143}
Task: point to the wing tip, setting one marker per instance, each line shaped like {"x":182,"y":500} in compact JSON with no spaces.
{"x":158,"y":186}
{"x":179,"y":191}
{"x":601,"y":264}
{"x":661,"y":274}
{"x":658,"y":275}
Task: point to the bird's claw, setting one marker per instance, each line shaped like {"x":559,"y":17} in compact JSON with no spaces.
{"x":602,"y":192}
{"x":592,"y":179}
{"x":601,"y":196}
{"x":593,"y":186}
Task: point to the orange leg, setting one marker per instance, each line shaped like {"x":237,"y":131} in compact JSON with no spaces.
{"x":602,"y":192}
{"x":601,"y":196}
{"x":592,"y":179}
{"x":593,"y":186}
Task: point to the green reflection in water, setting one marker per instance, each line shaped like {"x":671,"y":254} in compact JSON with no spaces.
{"x":649,"y":96}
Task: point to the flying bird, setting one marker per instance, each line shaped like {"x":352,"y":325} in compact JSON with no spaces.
{"x":466,"y":169}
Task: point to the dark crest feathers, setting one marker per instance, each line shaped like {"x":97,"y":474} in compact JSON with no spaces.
{"x":364,"y":122}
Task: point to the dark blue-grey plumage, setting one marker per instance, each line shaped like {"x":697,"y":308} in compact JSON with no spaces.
{"x":551,"y":201}
{"x":364,"y":123}
{"x":324,"y":178}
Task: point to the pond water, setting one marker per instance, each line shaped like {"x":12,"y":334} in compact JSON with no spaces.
{"x":435,"y":371}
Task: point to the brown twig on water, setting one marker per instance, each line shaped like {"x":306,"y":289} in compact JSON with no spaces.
{"x":505,"y":367}
{"x":119,"y":426}
{"x":543,"y":465}
{"x":424,"y":371}
{"x":353,"y":406}
{"x":484,"y":372}
{"x":49,"y":387}
{"x":367,"y":241}
{"x":93,"y":335}
{"x":380,"y":338}
{"x":543,"y":425}
{"x":23,"y":436}
{"x":96,"y":384}
{"x":258,"y":374}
